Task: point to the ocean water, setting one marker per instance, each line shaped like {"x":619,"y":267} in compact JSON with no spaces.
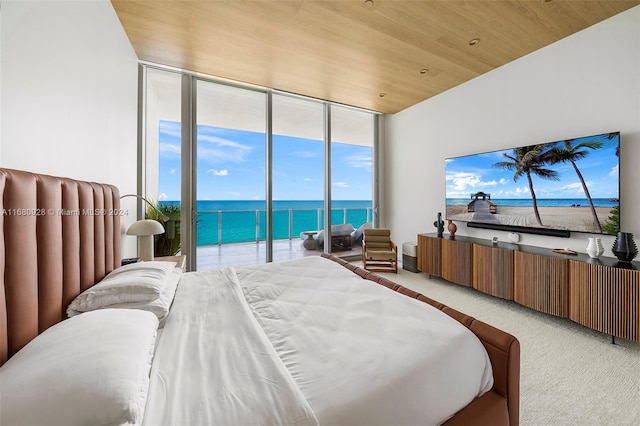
{"x":542,"y":202}
{"x":244,"y":221}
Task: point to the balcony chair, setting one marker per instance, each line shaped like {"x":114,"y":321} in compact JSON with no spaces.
{"x":341,"y":238}
{"x":379,"y":253}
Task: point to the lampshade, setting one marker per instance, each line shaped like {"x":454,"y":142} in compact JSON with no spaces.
{"x":145,"y":227}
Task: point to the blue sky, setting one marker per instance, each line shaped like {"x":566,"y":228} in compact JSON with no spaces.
{"x":470,"y":174}
{"x":231,"y":166}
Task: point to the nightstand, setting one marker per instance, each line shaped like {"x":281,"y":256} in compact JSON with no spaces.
{"x":181,"y":261}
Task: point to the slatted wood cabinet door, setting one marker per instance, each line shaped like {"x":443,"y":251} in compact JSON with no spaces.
{"x":541,"y":283}
{"x":606,"y":299}
{"x":457,"y":265}
{"x":429,"y":255}
{"x":493,"y":271}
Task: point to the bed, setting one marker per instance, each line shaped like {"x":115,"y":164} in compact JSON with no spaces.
{"x":311,"y":341}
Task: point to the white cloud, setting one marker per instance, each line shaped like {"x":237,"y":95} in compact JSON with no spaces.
{"x":573,"y":186}
{"x":614,"y":172}
{"x":462,"y":181}
{"x":214,"y":148}
{"x":463,"y":184}
{"x":215,"y":172}
{"x":169,"y":148}
{"x":308,"y":179}
{"x":575,"y":189}
{"x":359,"y":161}
{"x":516,"y":192}
{"x":341,"y":184}
{"x":170,"y":128}
{"x":305,"y":154}
{"x":162,"y":196}
{"x":172,"y":171}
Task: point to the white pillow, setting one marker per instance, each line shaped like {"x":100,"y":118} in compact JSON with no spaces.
{"x":141,"y":266}
{"x":136,"y":282}
{"x":87,"y":370}
{"x":159,"y":306}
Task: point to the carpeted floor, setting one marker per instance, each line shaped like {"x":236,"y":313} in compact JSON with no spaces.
{"x":570,"y":375}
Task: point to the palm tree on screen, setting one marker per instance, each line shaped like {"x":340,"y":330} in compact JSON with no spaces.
{"x":612,"y":224}
{"x":528,"y":160}
{"x":573,"y":153}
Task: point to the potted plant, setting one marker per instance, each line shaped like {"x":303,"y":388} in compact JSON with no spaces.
{"x":167,"y":244}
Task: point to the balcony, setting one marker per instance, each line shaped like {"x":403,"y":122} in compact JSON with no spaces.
{"x":237,"y":237}
{"x":243,"y":254}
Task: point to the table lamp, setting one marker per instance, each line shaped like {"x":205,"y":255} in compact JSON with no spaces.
{"x":145,"y":230}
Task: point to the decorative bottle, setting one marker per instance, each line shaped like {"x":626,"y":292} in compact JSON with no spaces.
{"x":439,"y":224}
{"x":595,"y":248}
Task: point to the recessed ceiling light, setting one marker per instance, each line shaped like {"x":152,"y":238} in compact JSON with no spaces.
{"x":382,"y":95}
{"x":474,"y":41}
{"x":424,"y":71}
{"x":368,"y":3}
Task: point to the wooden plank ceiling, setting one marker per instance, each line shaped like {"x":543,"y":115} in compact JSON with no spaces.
{"x":382,"y":55}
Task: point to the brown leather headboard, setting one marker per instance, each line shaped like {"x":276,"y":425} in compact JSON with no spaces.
{"x":59,"y":237}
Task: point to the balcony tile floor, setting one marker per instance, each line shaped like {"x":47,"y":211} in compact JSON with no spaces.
{"x":243,"y":254}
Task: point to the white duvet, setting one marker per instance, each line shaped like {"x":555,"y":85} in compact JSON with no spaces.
{"x":309,"y":342}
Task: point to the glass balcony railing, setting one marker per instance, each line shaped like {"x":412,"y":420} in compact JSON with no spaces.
{"x":236,"y":226}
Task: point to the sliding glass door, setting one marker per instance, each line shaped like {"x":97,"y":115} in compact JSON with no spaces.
{"x":297,"y":176}
{"x":230,"y":178}
{"x":351,"y":178}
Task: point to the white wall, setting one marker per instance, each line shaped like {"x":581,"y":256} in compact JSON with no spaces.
{"x":69,"y":94}
{"x":585,"y":84}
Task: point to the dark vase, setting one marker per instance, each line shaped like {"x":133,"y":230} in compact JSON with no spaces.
{"x":624,"y":247}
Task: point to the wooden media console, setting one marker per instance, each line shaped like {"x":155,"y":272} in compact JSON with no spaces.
{"x":602,"y":294}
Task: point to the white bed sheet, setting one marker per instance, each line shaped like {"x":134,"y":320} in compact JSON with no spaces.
{"x":214,"y":366}
{"x":322,"y":345}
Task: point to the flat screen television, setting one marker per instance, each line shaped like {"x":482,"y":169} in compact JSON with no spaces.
{"x":552,"y":188}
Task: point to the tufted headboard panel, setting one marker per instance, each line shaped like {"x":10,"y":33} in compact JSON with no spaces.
{"x":59,"y":237}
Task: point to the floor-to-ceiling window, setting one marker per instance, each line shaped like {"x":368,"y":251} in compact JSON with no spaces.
{"x":230,"y":152}
{"x":298,"y":177}
{"x":351,"y":176}
{"x":251,"y":146}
